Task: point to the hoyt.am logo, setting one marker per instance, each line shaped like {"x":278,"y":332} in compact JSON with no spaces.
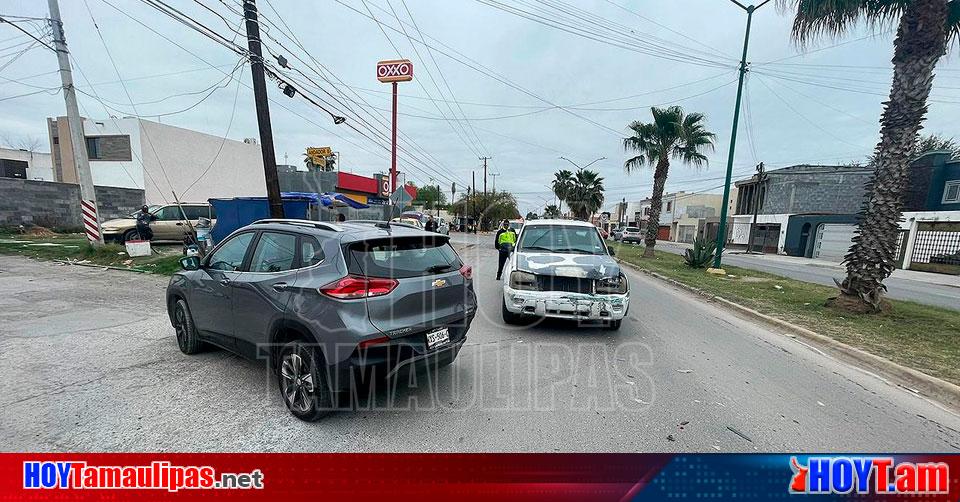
{"x":875,"y":475}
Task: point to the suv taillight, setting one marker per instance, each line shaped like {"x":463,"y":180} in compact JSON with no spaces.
{"x":467,"y":272}
{"x":352,"y":287}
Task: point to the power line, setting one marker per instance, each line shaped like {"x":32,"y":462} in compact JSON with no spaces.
{"x":319,"y":69}
{"x":483,"y":70}
{"x":446,"y":83}
{"x":804,"y":117}
{"x":27,"y":33}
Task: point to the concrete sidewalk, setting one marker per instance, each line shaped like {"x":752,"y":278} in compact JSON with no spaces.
{"x":796,"y":261}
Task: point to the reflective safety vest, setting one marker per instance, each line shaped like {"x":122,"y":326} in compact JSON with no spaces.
{"x":507,"y":237}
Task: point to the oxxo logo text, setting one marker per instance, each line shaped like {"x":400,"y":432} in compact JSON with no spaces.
{"x":874,"y":475}
{"x":397,"y":70}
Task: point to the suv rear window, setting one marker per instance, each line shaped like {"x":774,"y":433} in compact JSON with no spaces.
{"x":405,"y":257}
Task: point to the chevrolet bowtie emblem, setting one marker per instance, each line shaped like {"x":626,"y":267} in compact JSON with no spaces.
{"x":439,"y":283}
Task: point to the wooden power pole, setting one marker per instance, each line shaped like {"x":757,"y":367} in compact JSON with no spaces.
{"x":263,"y":109}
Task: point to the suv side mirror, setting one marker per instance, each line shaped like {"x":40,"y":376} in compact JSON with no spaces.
{"x":190,"y":262}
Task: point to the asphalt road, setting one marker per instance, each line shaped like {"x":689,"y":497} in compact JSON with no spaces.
{"x":897,"y":287}
{"x":89,"y":362}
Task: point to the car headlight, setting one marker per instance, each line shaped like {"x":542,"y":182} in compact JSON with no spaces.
{"x":612,"y":285}
{"x":523,"y":280}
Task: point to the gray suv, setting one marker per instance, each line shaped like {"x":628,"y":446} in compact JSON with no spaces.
{"x":326,"y":304}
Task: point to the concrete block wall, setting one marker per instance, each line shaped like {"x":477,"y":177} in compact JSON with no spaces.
{"x":837,"y":192}
{"x":51,"y":204}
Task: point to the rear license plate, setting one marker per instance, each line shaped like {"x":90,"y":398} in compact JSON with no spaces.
{"x":438,"y":337}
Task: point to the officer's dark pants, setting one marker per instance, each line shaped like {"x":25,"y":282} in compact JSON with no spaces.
{"x":504,"y":255}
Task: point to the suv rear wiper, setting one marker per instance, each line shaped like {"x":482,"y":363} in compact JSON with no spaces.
{"x":439,"y":268}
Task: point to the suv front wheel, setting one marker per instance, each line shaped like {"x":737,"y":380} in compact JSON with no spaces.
{"x":187,"y":338}
{"x":303,"y":382}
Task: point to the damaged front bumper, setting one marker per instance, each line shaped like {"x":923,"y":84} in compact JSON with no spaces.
{"x":562,"y":305}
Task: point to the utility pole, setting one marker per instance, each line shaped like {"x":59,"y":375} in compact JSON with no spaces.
{"x":263,"y":109}
{"x":473,"y":201}
{"x":494,"y":176}
{"x":722,"y":231}
{"x":761,"y":177}
{"x":485,"y":159}
{"x":623,"y":213}
{"x":78,"y":143}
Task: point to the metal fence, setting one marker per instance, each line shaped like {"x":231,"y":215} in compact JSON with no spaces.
{"x":937,"y":243}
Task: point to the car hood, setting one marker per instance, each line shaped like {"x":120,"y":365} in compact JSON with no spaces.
{"x":119,"y":222}
{"x":569,"y":265}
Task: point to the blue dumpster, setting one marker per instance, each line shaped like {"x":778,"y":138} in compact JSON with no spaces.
{"x":241,"y":211}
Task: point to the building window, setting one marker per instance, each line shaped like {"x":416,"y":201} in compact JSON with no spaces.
{"x":669,"y":206}
{"x":116,"y":147}
{"x":951,"y":192}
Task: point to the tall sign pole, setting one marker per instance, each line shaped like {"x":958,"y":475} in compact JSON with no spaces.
{"x":263,"y":109}
{"x":78,"y":142}
{"x":722,"y":231}
{"x":394,"y":71}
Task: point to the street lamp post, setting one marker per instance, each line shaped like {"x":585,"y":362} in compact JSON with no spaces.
{"x":722,"y":230}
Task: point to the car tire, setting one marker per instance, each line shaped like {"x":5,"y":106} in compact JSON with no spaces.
{"x":510,"y":317}
{"x":614,"y":325}
{"x":187,"y":338}
{"x":302,"y":379}
{"x":131,"y":235}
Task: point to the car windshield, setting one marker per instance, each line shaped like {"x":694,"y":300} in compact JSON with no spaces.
{"x":561,"y":239}
{"x":632,"y":229}
{"x":151,"y":209}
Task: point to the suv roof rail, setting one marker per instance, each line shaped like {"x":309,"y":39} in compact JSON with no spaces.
{"x":376,"y":223}
{"x":304,"y":223}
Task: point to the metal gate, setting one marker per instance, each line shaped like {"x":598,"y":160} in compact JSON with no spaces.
{"x":766,"y":237}
{"x":833,"y":241}
{"x":937,"y":247}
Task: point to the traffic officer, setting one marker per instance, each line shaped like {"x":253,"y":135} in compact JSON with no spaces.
{"x":505,"y":241}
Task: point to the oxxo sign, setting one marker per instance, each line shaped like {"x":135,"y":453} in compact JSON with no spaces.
{"x":395,"y":70}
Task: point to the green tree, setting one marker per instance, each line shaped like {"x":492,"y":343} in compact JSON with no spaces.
{"x":487,"y":209}
{"x":532,"y":216}
{"x":551,"y":212}
{"x":924,"y":30}
{"x":672,"y":134}
{"x":562,"y":184}
{"x":586,"y":194}
{"x":430,"y":197}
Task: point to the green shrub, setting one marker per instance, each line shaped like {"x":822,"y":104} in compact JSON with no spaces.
{"x":701,"y":255}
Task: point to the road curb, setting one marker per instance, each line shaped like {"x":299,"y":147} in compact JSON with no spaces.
{"x":914,"y":381}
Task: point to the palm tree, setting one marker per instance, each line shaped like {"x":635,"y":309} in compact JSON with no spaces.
{"x":551,"y":211}
{"x":562,"y":183}
{"x":586,"y":194}
{"x":672,"y":134}
{"x":925,"y":29}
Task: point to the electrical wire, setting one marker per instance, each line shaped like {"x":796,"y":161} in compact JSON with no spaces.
{"x":804,"y":117}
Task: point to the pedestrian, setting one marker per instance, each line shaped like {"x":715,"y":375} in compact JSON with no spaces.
{"x":143,"y":223}
{"x":431,"y":225}
{"x":504,"y":241}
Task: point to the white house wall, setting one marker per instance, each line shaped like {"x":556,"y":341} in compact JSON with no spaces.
{"x":39,"y":165}
{"x":184,"y":155}
{"x":115,"y":173}
{"x":741,"y":228}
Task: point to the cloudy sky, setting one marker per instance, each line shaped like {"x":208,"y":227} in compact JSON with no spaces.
{"x":488,"y":83}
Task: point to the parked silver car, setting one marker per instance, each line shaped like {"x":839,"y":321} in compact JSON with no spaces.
{"x":564,"y":269}
{"x":325,"y":303}
{"x":631,"y":234}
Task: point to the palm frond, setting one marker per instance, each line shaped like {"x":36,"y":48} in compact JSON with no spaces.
{"x":816,"y":18}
